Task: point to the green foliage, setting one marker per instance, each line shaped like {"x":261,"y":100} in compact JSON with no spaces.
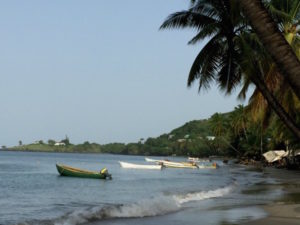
{"x":223,"y":134}
{"x":66,"y":141}
{"x":51,"y":142}
{"x":115,"y":148}
{"x":233,"y":55}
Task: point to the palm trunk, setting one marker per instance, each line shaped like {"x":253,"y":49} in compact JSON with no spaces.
{"x":245,"y":132}
{"x":274,"y":41}
{"x":276,"y":106}
{"x":261,"y":141}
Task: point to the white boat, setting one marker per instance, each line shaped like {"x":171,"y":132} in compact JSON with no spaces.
{"x":140,"y":166}
{"x":179,"y":164}
{"x":191,"y":159}
{"x":153,"y":160}
{"x":209,"y":166}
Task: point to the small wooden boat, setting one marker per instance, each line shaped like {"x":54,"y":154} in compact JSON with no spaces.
{"x":179,"y":164}
{"x":153,"y":160}
{"x":140,"y":166}
{"x":192,"y":159}
{"x":64,"y":170}
{"x":211,"y":166}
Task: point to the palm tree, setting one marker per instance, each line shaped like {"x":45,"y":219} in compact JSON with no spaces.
{"x":285,"y":13}
{"x":239,"y":120}
{"x":220,"y":59}
{"x":275,"y":43}
{"x":221,"y":21}
{"x":255,"y":65}
{"x":219,"y":127}
{"x":218,"y":124}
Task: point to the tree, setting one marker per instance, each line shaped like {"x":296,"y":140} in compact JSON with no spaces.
{"x":268,"y":79}
{"x":220,"y":59}
{"x":239,"y":120}
{"x":51,"y":142}
{"x":255,"y":65}
{"x":20,"y":142}
{"x":66,"y":141}
{"x":275,"y":43}
{"x":218,"y":124}
{"x":220,"y":21}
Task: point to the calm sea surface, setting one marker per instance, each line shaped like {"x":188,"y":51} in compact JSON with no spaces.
{"x":32,"y":192}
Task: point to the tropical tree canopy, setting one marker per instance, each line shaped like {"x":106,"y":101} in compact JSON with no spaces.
{"x":234,"y":54}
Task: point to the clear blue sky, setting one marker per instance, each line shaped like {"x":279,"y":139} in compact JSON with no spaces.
{"x":99,"y":71}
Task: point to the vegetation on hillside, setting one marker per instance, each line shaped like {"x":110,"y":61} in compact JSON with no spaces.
{"x":251,"y":42}
{"x":232,"y":134}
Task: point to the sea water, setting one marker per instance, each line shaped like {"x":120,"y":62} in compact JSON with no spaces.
{"x":33,"y":193}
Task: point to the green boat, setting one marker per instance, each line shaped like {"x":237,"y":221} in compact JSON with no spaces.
{"x":75,"y":172}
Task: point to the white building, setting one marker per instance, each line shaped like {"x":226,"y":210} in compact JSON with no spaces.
{"x":59,"y":144}
{"x":210,"y":138}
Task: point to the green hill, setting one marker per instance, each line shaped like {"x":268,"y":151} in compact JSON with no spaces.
{"x":189,"y":139}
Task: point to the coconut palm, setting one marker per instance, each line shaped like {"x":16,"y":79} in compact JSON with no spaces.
{"x":218,"y":124}
{"x":285,"y":13}
{"x":220,"y":59}
{"x":239,"y":120}
{"x":269,"y":34}
{"x":258,"y":69}
{"x":220,"y":20}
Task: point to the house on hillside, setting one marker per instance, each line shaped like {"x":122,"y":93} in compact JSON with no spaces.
{"x":170,"y":136}
{"x":59,"y":144}
{"x":210,"y":138}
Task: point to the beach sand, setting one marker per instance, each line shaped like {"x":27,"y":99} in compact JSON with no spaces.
{"x":287,"y":209}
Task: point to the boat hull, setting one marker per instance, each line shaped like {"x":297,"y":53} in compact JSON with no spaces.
{"x":139,"y":166}
{"x":152,"y":160}
{"x":197,"y":160}
{"x":213,"y":166}
{"x":170,"y":164}
{"x":68,"y":171}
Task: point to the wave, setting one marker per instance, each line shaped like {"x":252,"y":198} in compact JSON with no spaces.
{"x":156,"y":206}
{"x":144,"y":208}
{"x":198,"y":196}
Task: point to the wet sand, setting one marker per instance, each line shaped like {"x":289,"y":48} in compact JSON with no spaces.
{"x":287,"y":209}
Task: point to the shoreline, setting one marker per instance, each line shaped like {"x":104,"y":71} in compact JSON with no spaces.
{"x":285,"y":210}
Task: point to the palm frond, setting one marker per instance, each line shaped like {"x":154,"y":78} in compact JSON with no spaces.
{"x":246,"y":84}
{"x":187,"y":19}
{"x":206,"y":32}
{"x":205,"y":65}
{"x":229,"y":74}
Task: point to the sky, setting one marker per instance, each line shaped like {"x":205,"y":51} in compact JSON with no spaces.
{"x":98,"y":71}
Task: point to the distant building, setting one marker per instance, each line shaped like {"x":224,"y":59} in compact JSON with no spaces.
{"x":181,"y":140}
{"x":186,"y":136}
{"x":210,"y":138}
{"x":59,"y":144}
{"x":170,"y":136}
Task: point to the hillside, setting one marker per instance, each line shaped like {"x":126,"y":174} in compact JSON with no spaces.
{"x":187,"y":139}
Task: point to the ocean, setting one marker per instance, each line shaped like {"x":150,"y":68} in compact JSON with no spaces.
{"x":33,"y":193}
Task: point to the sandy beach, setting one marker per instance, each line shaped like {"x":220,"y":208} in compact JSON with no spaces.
{"x":287,"y":209}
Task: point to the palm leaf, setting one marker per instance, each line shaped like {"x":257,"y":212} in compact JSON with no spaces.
{"x":205,"y":65}
{"x":206,"y":32}
{"x":187,"y":19}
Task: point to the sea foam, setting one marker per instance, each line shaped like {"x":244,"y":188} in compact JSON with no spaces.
{"x":156,"y":206}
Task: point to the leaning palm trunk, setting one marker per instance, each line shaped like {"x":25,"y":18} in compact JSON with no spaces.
{"x":274,"y":41}
{"x":276,"y":106}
